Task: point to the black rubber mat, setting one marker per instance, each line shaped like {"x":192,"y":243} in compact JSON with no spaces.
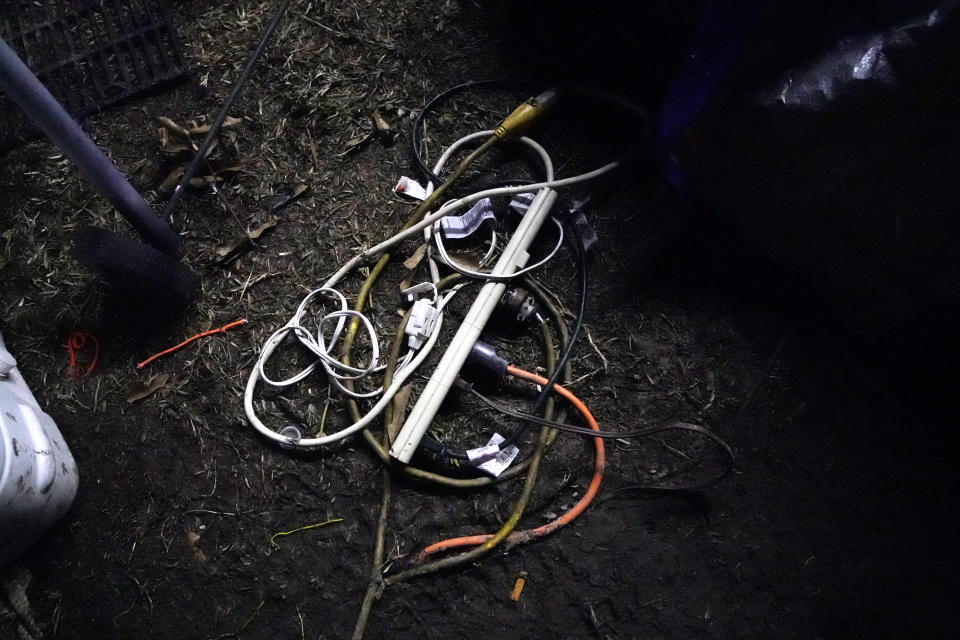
{"x":90,"y":54}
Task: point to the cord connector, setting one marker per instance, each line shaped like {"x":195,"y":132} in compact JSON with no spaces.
{"x":576,"y":218}
{"x":521,"y":202}
{"x":524,"y":116}
{"x":518,"y":302}
{"x":410,"y":294}
{"x":423,"y":318}
{"x":485,"y":356}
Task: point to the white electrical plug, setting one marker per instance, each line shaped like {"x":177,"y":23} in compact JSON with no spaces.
{"x":411,"y":293}
{"x":423,"y":319}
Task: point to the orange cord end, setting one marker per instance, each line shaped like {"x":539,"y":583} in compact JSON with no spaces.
{"x":599,"y":464}
{"x":78,"y":341}
{"x":211,"y":332}
{"x":518,"y":586}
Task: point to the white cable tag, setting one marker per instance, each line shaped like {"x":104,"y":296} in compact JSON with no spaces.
{"x":456,"y":227}
{"x":521,"y":202}
{"x":410,"y":187}
{"x":491,"y":459}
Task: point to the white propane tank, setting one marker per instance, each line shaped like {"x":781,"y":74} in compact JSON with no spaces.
{"x":38,"y":476}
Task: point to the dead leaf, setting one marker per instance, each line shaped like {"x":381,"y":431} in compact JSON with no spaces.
{"x":170,"y":181}
{"x":229,"y":251}
{"x":220,"y":173}
{"x":382,"y":128}
{"x":465,"y":260}
{"x":213,"y":147}
{"x":172,"y":126}
{"x":287,"y":196}
{"x":136,"y":169}
{"x":241,"y":167}
{"x":203,"y":181}
{"x":414,"y":260}
{"x":230,"y":122}
{"x":256,"y":233}
{"x":356,"y":143}
{"x":157,"y":383}
{"x":193,"y":539}
{"x":224,"y":249}
{"x":175,"y":138}
{"x":169,"y":144}
{"x":400,"y":402}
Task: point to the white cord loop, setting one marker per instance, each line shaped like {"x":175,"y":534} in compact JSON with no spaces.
{"x":322,"y":346}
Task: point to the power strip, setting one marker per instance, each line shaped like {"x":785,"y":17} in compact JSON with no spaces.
{"x":514,"y":257}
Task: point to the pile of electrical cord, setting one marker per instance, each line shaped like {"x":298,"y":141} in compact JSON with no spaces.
{"x":370,"y":388}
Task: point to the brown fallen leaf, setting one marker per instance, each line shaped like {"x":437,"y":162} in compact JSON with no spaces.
{"x":170,"y":181}
{"x":172,"y":126}
{"x":212,"y":148}
{"x":356,"y":143}
{"x":465,"y":260}
{"x":382,"y":129}
{"x":172,"y":145}
{"x":229,"y":251}
{"x":193,"y":539}
{"x":175,"y":137}
{"x":157,"y":383}
{"x":287,"y":196}
{"x":414,"y":260}
{"x":256,"y":233}
{"x":220,"y":173}
{"x":203,"y":181}
{"x":398,"y":411}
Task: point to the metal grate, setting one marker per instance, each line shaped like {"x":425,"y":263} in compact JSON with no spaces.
{"x":90,"y":54}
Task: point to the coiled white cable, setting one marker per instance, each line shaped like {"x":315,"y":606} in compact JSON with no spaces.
{"x":308,"y":443}
{"x":449,"y":208}
{"x":321,"y":346}
{"x":470,"y":273}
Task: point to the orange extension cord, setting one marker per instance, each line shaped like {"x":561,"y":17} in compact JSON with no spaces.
{"x":518,"y":537}
{"x":77,"y":342}
{"x":211,"y":332}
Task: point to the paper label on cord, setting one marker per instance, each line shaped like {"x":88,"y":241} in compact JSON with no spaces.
{"x":491,"y":459}
{"x":410,"y":187}
{"x":456,"y":227}
{"x":521,"y":202}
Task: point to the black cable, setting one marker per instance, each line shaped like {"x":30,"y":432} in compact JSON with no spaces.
{"x":636,"y":433}
{"x":416,"y":136}
{"x":201,"y":153}
{"x":586,"y":431}
{"x":582,"y":270}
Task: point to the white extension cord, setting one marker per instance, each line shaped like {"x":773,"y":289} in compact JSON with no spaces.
{"x":321,"y":346}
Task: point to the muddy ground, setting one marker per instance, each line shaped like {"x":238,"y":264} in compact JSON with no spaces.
{"x":836,"y":523}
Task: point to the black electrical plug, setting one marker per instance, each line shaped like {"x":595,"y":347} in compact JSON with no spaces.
{"x":484,"y":356}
